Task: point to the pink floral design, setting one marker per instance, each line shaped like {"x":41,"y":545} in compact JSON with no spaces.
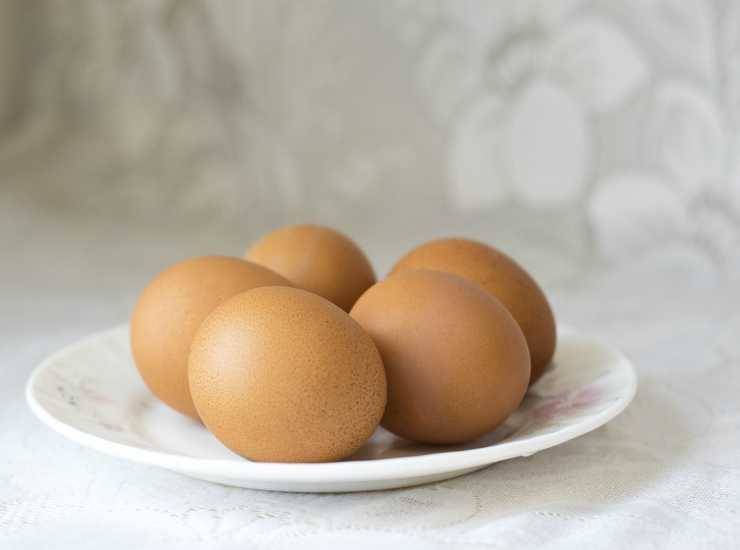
{"x":567,"y":403}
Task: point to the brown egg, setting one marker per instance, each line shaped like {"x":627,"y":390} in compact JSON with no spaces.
{"x":501,"y":276}
{"x":317,"y":259}
{"x":457,"y":363}
{"x":171,"y":308}
{"x":282,"y":375}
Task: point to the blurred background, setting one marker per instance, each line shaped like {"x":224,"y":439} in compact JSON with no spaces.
{"x":584,"y":137}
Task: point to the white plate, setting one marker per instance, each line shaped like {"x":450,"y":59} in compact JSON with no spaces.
{"x":91,"y":393}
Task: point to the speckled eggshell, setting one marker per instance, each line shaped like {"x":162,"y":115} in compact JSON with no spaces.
{"x":318,"y":259}
{"x":456,"y":362}
{"x":501,"y":276}
{"x":171,"y":308}
{"x":282,"y":375}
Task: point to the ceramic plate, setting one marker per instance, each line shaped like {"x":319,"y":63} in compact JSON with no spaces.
{"x":91,"y":393}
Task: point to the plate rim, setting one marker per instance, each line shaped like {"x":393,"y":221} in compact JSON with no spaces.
{"x":335,"y":472}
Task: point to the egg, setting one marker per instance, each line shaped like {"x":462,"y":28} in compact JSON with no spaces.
{"x":280,"y":374}
{"x":456,"y":362}
{"x":171,"y":308}
{"x":503,"y":278}
{"x":318,"y":259}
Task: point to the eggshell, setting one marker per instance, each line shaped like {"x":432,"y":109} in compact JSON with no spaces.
{"x":501,"y":276}
{"x":317,"y":259}
{"x":457,"y":363}
{"x":282,"y":375}
{"x":171,"y":308}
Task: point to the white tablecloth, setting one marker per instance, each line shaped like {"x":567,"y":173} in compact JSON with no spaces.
{"x":665,"y":474}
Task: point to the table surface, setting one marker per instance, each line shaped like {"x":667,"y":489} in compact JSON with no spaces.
{"x":666,"y":473}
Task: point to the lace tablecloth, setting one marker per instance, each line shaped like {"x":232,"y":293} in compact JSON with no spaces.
{"x":664,"y":474}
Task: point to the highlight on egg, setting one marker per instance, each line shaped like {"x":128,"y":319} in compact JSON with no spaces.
{"x":456,"y":361}
{"x":169,"y":311}
{"x":318,"y":259}
{"x":502,"y":277}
